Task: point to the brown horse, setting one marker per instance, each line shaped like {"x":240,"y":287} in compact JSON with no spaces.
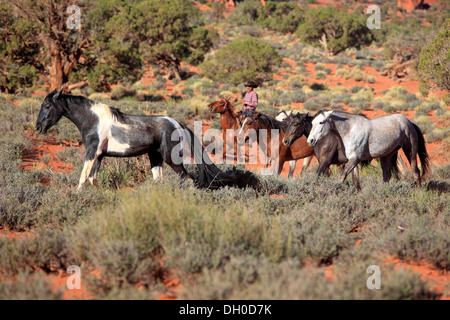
{"x":229,"y":119}
{"x":298,"y":150}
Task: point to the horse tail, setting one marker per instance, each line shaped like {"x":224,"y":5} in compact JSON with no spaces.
{"x":210,"y":176}
{"x":422,"y":152}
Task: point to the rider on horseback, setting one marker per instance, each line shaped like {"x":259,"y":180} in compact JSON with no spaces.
{"x":250,"y":98}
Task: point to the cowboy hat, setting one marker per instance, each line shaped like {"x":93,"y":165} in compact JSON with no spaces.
{"x":251,"y":84}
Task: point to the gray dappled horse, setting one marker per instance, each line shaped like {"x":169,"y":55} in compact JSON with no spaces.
{"x":366,"y":139}
{"x":328,"y":150}
{"x":107,"y":132}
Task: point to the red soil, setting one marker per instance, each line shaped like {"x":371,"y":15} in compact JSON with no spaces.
{"x":13,"y":235}
{"x":33,"y":159}
{"x":59,"y":282}
{"x":173,"y":286}
{"x":438,"y":279}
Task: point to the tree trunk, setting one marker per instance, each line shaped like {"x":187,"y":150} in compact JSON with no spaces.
{"x":176,"y":73}
{"x":56,"y":69}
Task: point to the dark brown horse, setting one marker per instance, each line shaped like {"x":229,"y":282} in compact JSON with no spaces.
{"x":229,"y":119}
{"x":299,"y":149}
{"x":329,"y":150}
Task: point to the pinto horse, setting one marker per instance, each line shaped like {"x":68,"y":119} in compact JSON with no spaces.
{"x":258,"y":121}
{"x":107,"y":132}
{"x":366,"y":139}
{"x":329,"y":150}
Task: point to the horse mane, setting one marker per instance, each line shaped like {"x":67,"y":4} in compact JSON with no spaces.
{"x":85,"y":102}
{"x":271,"y":122}
{"x":117,"y":113}
{"x":307,"y":119}
{"x":232,"y":108}
{"x":321,"y":111}
{"x":77,"y":100}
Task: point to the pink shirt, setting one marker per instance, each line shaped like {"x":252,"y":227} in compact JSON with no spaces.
{"x":251,"y":98}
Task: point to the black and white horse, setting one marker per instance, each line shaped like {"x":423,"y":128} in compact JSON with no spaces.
{"x":107,"y":132}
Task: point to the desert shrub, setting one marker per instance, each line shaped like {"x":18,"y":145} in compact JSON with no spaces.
{"x":18,"y":204}
{"x":242,"y":60}
{"x":342,"y":30}
{"x":283,"y":17}
{"x":28,"y":286}
{"x":252,"y":31}
{"x":359,"y":104}
{"x":119,"y":92}
{"x":246,"y":12}
{"x":317,"y":103}
{"x":319,"y":66}
{"x":398,"y":98}
{"x":97,"y":96}
{"x":438,"y":134}
{"x":358,"y":75}
{"x":434,"y":64}
{"x":320,"y":75}
{"x":188,"y":92}
{"x":341,"y":97}
{"x":377,"y":104}
{"x":342,"y":72}
{"x":405,"y":45}
{"x":355,"y":89}
{"x":446,"y":99}
{"x":424,"y":122}
{"x":298,"y":96}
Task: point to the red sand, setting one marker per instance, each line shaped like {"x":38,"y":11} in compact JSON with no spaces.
{"x":438,"y":279}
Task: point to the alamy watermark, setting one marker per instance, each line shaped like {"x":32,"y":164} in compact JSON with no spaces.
{"x":74,"y":20}
{"x":374,"y":281}
{"x":374,"y":21}
{"x":74,"y":280}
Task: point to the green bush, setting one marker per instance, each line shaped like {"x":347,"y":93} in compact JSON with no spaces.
{"x":284,"y":17}
{"x":242,"y":60}
{"x":342,"y":30}
{"x":434,"y":64}
{"x":246,"y":12}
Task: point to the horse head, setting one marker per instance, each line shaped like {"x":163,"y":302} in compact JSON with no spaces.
{"x":50,"y":113}
{"x":298,"y":125}
{"x":247,"y":121}
{"x":321,"y":126}
{"x":219,"y":106}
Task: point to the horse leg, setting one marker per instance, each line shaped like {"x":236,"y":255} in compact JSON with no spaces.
{"x":306,"y":163}
{"x":386,"y":167}
{"x":94,"y":171}
{"x":165,"y":156}
{"x":351,"y":164}
{"x":156,"y":163}
{"x":94,"y":149}
{"x":355,"y":178}
{"x":322,"y":168}
{"x":280,"y":166}
{"x":91,"y":157}
{"x":292,"y":164}
{"x":394,"y":165}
